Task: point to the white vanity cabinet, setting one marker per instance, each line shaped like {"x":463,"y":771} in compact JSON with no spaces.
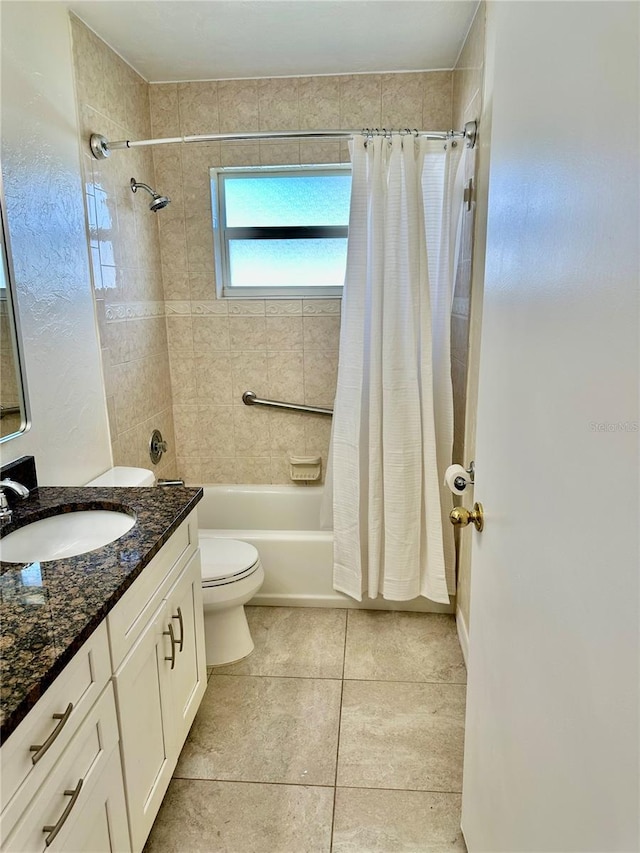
{"x":108,"y":732}
{"x":157,"y":639}
{"x":72,"y":794}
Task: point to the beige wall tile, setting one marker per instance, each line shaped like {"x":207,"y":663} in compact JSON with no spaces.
{"x":286,"y":376}
{"x":165,"y":112}
{"x":313,"y":151}
{"x":278,"y":103}
{"x":183,"y":378}
{"x":360,"y":101}
{"x":210,"y":334}
{"x":190,"y":470}
{"x":247,"y":333}
{"x":321,"y":332}
{"x":213,"y":379}
{"x":238,"y":105}
{"x":284,"y":333}
{"x":279,"y":153}
{"x":402,"y":96}
{"x":436,"y":103}
{"x":218,"y":469}
{"x":180,"y":334}
{"x":251,"y":431}
{"x":253,"y":469}
{"x":248,"y":373}
{"x":320,"y":373}
{"x":198,"y":105}
{"x":319,"y":99}
{"x":287,"y":433}
{"x":216,"y":431}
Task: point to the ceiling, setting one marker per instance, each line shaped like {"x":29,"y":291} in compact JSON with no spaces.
{"x":173,"y":40}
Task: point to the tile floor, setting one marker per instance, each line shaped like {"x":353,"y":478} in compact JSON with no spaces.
{"x":342,"y":732}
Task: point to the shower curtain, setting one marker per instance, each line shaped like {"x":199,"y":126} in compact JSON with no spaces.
{"x":392,"y":432}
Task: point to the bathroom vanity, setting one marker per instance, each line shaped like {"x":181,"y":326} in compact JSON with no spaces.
{"x":103,"y":669}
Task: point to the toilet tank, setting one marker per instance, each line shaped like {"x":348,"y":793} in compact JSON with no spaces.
{"x":122,"y":476}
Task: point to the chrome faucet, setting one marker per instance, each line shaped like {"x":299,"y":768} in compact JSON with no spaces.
{"x":18,"y":489}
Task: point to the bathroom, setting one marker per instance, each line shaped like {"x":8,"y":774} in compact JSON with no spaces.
{"x":122,"y":332}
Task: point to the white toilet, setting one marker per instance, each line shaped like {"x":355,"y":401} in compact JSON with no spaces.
{"x":231,"y":575}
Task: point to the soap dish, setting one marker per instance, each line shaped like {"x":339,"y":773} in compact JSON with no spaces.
{"x":305,"y":468}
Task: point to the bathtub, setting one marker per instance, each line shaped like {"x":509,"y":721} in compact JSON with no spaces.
{"x":283,"y":522}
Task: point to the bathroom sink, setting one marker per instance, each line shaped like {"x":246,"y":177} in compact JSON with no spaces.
{"x":64,"y":535}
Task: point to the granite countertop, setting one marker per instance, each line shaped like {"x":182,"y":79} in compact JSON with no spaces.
{"x":49,"y":609}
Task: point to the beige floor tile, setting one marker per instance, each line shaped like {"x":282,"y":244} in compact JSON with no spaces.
{"x":235,"y":817}
{"x":384,"y":646}
{"x":396,"y":822}
{"x":299,"y":642}
{"x":403,"y":736}
{"x":257,"y":729}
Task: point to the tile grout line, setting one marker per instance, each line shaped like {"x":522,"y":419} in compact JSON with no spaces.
{"x":335,"y":779}
{"x":333,"y":678}
{"x":310,"y":785}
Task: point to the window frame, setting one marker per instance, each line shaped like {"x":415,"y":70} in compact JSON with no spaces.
{"x":222,"y":234}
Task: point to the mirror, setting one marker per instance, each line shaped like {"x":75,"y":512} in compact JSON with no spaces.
{"x":14,"y":410}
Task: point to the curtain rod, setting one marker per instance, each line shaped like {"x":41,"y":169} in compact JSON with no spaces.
{"x":101,"y":148}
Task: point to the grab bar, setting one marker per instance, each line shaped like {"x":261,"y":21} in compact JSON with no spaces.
{"x":250,"y":399}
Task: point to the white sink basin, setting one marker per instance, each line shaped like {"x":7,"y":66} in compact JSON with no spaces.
{"x":64,"y":535}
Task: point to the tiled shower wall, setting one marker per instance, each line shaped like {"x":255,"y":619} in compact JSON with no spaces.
{"x":285,"y":349}
{"x":125,"y":254}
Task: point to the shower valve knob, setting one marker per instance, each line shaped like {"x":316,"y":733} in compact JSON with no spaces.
{"x":460,"y":516}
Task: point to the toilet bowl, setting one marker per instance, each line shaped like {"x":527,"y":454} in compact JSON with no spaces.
{"x":231,"y":575}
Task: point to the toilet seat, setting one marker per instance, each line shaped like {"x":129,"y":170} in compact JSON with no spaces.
{"x":226,"y":561}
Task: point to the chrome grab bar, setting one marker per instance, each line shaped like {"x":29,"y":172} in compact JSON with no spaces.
{"x":250,"y":399}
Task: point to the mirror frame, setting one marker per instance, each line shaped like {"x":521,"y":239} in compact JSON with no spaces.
{"x":12,"y":310}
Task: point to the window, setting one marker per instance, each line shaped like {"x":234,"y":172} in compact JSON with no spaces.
{"x":281,"y":231}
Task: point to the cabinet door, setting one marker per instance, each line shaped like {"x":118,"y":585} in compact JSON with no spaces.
{"x":81,"y":802}
{"x":101,"y":826}
{"x":188,"y":678}
{"x":146,"y":725}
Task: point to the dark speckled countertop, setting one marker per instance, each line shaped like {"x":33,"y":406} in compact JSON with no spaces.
{"x":49,"y":609}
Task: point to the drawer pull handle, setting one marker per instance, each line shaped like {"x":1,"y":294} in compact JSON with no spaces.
{"x":41,"y":748}
{"x":54,"y":830}
{"x":178,"y":616}
{"x":169,"y":634}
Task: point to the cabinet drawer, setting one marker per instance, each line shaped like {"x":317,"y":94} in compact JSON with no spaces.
{"x":84,"y":759}
{"x":131,"y":614}
{"x":78,"y":685}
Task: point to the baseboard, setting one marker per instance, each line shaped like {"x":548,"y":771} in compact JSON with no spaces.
{"x":417,"y":605}
{"x":463,"y":635}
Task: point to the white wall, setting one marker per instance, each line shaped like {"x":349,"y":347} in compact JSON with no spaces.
{"x":43,"y":191}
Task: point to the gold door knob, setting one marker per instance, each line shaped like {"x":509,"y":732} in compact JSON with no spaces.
{"x":461,"y":516}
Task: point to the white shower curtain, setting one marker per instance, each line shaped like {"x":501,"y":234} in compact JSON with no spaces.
{"x":392,"y":430}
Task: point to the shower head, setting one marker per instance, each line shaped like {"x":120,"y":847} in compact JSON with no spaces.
{"x":159,"y":201}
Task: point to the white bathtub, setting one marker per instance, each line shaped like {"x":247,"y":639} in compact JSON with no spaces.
{"x":283,"y":522}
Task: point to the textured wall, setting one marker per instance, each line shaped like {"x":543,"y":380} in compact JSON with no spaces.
{"x":467,"y":106}
{"x":285,"y":349}
{"x":125,"y":254}
{"x":43,"y":190}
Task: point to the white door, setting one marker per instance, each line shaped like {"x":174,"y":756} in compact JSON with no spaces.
{"x":551,"y":758}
